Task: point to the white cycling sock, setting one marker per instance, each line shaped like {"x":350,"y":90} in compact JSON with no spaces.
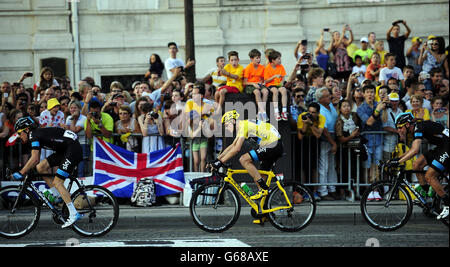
{"x":72,"y":209}
{"x":284,"y":109}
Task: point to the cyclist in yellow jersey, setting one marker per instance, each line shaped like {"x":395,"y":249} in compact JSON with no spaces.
{"x":270,"y":148}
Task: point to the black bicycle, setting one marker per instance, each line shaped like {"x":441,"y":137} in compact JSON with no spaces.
{"x":20,"y":208}
{"x":395,"y":207}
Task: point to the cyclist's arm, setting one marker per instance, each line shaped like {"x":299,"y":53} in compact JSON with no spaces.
{"x":415,"y":147}
{"x":231,"y":150}
{"x":32,"y":162}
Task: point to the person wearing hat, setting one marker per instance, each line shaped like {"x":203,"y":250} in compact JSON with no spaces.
{"x":364,"y":52}
{"x":52,"y":117}
{"x":391,"y":137}
{"x":413,"y":54}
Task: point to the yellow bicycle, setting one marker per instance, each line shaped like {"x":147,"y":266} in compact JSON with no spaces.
{"x":215,"y":206}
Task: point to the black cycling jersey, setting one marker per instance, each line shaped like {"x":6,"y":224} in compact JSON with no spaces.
{"x":434,"y":132}
{"x":53,"y":138}
{"x":437,"y":135}
{"x":67,"y":150}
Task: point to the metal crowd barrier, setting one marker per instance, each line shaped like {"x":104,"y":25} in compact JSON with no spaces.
{"x":304,"y":161}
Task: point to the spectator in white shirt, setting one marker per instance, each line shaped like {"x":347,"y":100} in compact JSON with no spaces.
{"x":391,"y":71}
{"x":173,"y":62}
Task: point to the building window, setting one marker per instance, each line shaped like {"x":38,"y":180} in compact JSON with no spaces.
{"x":58,"y":65}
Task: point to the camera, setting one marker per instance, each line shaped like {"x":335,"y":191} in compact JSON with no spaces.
{"x":306,"y":116}
{"x":95,"y":115}
{"x":326,"y":29}
{"x":153,"y":114}
{"x":306,"y":56}
{"x":29,"y":74}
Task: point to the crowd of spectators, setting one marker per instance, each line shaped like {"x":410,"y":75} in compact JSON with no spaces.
{"x":329,"y":98}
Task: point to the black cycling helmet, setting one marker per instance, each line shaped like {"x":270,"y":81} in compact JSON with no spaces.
{"x":24,"y":123}
{"x":404,"y":118}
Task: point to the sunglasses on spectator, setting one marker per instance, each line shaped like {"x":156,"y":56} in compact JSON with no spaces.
{"x":298,"y":96}
{"x":434,"y":44}
{"x":123,"y":113}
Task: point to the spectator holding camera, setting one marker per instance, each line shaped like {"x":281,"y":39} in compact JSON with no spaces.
{"x":338,"y":47}
{"x":310,"y":125}
{"x":321,"y":53}
{"x":440,"y":113}
{"x":413,"y":55}
{"x":113,"y":104}
{"x":99,"y":124}
{"x":397,"y":42}
{"x":152,"y":129}
{"x":432,"y":55}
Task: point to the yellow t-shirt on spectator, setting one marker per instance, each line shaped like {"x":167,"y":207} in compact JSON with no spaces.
{"x":239,"y":71}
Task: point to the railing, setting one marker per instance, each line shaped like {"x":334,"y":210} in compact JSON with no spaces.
{"x":304,"y":161}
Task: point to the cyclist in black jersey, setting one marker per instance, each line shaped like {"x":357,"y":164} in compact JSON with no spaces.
{"x":67,"y":154}
{"x":437,"y":159}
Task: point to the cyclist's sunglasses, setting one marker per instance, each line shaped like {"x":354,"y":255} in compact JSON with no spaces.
{"x":399,"y":126}
{"x":21,"y":130}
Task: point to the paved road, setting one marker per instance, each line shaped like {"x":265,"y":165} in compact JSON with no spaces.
{"x":337,"y":224}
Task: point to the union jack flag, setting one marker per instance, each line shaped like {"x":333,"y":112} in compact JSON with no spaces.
{"x":119,"y":169}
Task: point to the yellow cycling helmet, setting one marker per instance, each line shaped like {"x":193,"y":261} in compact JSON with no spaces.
{"x":232,"y":114}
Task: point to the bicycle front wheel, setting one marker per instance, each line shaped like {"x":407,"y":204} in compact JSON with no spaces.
{"x":215,"y":207}
{"x":303,"y":207}
{"x":390,"y":212}
{"x":25,"y":217}
{"x":99,"y":208}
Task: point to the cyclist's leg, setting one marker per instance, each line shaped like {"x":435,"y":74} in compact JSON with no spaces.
{"x":44,"y":167}
{"x":246,"y":161}
{"x":418,"y":165}
{"x":431,"y":176}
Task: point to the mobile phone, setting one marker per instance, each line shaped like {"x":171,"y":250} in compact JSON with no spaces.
{"x":29,"y":74}
{"x":5,"y":95}
{"x":326,"y":29}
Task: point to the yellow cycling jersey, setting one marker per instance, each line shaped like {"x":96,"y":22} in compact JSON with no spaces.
{"x":265,"y":132}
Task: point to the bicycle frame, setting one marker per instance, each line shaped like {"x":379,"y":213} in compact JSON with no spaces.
{"x":400,"y":179}
{"x":270,"y":176}
{"x":26,"y":183}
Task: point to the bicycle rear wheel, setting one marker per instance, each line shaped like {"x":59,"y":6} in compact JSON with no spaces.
{"x":387,"y":215}
{"x":100,"y":209}
{"x":26,"y":216}
{"x":303,"y":207}
{"x":214,"y":207}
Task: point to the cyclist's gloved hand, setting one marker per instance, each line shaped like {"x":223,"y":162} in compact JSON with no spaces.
{"x":217,"y":164}
{"x":17,"y":176}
